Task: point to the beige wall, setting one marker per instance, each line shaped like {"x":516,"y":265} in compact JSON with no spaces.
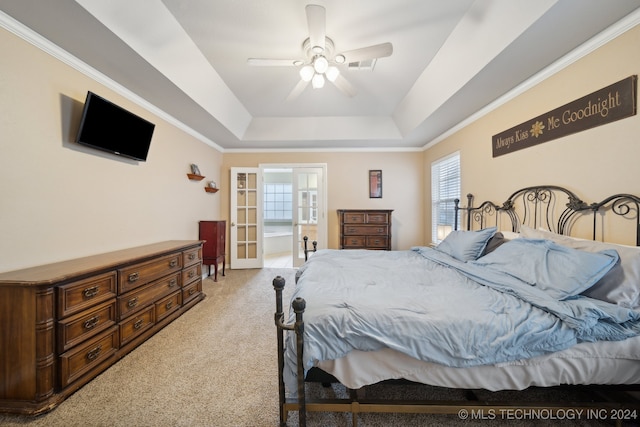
{"x":594,"y":163}
{"x":59,"y":200}
{"x":348,"y":184}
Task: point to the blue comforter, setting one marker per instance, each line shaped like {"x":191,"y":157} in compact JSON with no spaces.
{"x":435,"y":308}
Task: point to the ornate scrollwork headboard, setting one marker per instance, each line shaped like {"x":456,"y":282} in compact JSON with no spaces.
{"x":550,"y":206}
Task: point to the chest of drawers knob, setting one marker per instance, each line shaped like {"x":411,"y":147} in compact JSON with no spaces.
{"x":91,"y":323}
{"x":91,"y":292}
{"x":94,"y":353}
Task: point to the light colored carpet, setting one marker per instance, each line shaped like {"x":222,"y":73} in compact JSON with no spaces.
{"x":216,"y":366}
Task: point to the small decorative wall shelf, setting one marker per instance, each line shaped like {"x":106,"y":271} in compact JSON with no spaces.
{"x":210,"y":190}
{"x":195,"y":177}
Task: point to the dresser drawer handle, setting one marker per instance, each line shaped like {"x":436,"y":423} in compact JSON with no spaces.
{"x":132,"y":302}
{"x":91,"y":292}
{"x":192,"y":256}
{"x":192,"y":291}
{"x":169,"y":305}
{"x":134,"y":277}
{"x":91,"y":323}
{"x":172,"y":283}
{"x":138,"y":324}
{"x":354,"y":218}
{"x":376,"y":242}
{"x":352,"y":230}
{"x":173,"y":263}
{"x":192,"y":273}
{"x":93,"y":354}
{"x":380,"y":230}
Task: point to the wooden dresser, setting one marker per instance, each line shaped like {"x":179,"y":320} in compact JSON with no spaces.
{"x":213,"y":251}
{"x":62,"y":324}
{"x":365,"y":229}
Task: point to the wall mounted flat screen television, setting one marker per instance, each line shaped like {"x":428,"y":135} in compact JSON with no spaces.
{"x":111,"y":128}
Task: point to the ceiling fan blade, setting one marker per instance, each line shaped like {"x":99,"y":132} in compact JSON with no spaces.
{"x":316,"y":19}
{"x":266,"y":62}
{"x":343,"y":84}
{"x":377,"y":51}
{"x":297,"y":90}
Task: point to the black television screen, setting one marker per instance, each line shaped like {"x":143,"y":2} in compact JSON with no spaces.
{"x":111,"y":128}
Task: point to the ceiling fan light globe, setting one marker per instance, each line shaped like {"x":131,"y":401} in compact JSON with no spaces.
{"x":306,"y":73}
{"x":339,"y":59}
{"x":332,"y":73}
{"x":320,"y":64}
{"x":317,"y":81}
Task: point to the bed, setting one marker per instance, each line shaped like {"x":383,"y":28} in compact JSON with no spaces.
{"x":510,"y":303}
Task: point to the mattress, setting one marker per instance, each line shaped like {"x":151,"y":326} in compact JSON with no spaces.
{"x":583,"y":364}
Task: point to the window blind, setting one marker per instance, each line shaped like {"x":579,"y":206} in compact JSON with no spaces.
{"x":445,"y":188}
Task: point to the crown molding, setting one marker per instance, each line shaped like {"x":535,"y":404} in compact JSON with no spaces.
{"x":615,"y":30}
{"x":17,"y":28}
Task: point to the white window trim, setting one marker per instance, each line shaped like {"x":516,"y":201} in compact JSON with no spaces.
{"x":441,"y":227}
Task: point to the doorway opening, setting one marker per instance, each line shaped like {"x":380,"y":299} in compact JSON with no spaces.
{"x":278,"y":217}
{"x":293,"y":207}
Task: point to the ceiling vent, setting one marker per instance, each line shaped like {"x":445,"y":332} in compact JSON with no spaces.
{"x":367,"y":64}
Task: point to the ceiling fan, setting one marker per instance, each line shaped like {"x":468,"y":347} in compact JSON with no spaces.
{"x":319,"y":61}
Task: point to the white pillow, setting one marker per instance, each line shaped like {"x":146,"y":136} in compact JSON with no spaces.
{"x":621,"y":285}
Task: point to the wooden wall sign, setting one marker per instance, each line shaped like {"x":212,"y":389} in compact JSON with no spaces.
{"x":614,"y":102}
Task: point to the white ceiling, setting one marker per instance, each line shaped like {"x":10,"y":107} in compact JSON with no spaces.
{"x":450,"y":59}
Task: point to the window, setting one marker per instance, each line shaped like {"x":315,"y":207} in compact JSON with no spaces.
{"x":277,"y":202}
{"x":445,"y":188}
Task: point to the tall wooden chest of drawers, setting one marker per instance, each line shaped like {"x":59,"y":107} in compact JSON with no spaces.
{"x":365,"y":229}
{"x":213,"y":251}
{"x":62,"y":324}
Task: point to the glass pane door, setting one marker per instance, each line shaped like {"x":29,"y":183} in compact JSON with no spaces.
{"x":307,"y":202}
{"x":246,"y":218}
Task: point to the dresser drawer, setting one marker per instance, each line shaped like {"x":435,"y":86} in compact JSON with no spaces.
{"x":168,"y":305}
{"x":190,"y":274}
{"x":191,"y":291}
{"x":365,"y":230}
{"x":354,"y":217}
{"x":136,"y":325}
{"x":192,"y":256}
{"x":140,"y":274}
{"x":375,"y":242}
{"x":77,"y":296}
{"x":81,"y":359}
{"x":138,"y":299}
{"x":354,"y":241}
{"x":75,"y":329}
{"x":378,"y":218}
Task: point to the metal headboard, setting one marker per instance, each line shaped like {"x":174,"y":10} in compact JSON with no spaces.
{"x":550,"y":206}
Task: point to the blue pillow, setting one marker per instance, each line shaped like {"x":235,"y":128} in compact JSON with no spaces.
{"x":466,"y":245}
{"x":559,"y":271}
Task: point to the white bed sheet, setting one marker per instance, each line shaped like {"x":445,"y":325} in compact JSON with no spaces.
{"x":583,"y":364}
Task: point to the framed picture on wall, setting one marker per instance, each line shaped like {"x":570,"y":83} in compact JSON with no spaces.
{"x":375,"y":184}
